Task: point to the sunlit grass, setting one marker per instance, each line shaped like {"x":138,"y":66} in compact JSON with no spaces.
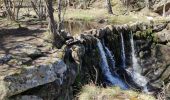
{"x":92,"y":92}
{"x":98,"y":14}
{"x":85,"y":15}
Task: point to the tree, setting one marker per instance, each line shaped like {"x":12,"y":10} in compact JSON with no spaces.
{"x":59,"y":15}
{"x":147,"y":4}
{"x":109,"y":7}
{"x":39,"y":8}
{"x":8,"y":7}
{"x":56,"y":38}
{"x":18,"y":8}
{"x":164,"y":8}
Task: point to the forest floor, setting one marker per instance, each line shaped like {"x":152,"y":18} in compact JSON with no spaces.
{"x":22,"y":47}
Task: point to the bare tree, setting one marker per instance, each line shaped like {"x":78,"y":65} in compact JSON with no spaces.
{"x":18,"y":8}
{"x":164,"y":8}
{"x":9,"y":8}
{"x":55,"y":36}
{"x":109,"y":6}
{"x":59,"y":15}
{"x":147,"y":4}
{"x":38,"y":8}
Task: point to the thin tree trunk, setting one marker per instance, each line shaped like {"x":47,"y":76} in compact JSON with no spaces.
{"x":19,"y":7}
{"x":147,"y":5}
{"x":55,"y":36}
{"x":8,"y":10}
{"x":59,"y":15}
{"x":109,"y":7}
{"x":164,"y":9}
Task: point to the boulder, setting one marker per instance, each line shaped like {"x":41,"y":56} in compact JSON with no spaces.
{"x":163,"y":36}
{"x":19,"y":80}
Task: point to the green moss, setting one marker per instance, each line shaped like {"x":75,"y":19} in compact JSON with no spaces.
{"x":147,"y":34}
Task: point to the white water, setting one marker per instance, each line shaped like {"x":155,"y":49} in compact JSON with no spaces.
{"x":137,"y":77}
{"x":114,"y":80}
{"x":123,"y":57}
{"x":111,"y":56}
{"x":136,"y":66}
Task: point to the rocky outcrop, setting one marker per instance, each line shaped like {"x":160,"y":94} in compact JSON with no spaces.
{"x":158,"y":7}
{"x":21,"y":80}
{"x":39,"y":69}
{"x":151,"y":47}
{"x":30,"y":67}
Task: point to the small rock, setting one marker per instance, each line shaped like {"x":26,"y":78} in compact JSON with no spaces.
{"x":5,"y":58}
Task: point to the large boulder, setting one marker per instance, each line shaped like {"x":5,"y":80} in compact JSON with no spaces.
{"x":16,"y":81}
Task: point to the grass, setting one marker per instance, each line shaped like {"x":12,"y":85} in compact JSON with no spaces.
{"x":96,"y":14}
{"x":92,"y":92}
{"x":98,"y":11}
{"x":85,"y":15}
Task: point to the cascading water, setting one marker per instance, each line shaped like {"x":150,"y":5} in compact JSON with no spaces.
{"x":110,"y":56}
{"x":137,"y":77}
{"x":114,"y":80}
{"x":123,"y":57}
{"x":136,"y":66}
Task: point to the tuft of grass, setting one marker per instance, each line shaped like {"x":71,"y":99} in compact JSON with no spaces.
{"x":92,"y":92}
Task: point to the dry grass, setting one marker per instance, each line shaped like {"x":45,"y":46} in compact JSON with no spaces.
{"x":98,"y":12}
{"x":92,"y":92}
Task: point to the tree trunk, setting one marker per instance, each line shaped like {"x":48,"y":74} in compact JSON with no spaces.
{"x":59,"y":16}
{"x":8,"y":7}
{"x":109,"y":7}
{"x":19,"y":7}
{"x":147,"y":4}
{"x":54,"y":35}
{"x":164,"y":8}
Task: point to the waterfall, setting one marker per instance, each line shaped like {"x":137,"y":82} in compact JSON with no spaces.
{"x":136,"y":66}
{"x":110,"y":56}
{"x":137,"y":77}
{"x":123,"y":57}
{"x":114,"y":80}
